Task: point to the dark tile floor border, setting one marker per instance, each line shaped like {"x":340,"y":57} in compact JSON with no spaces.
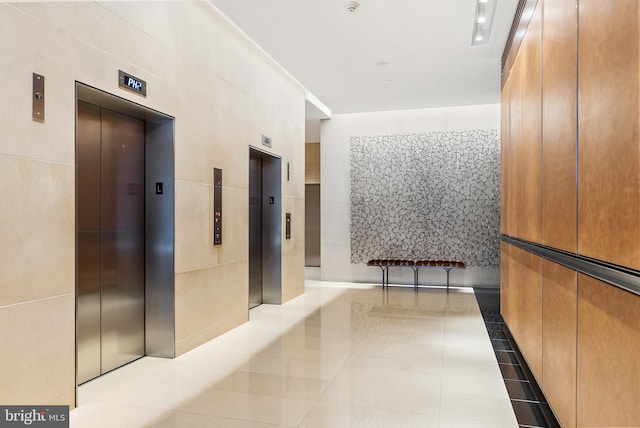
{"x":528,"y":401}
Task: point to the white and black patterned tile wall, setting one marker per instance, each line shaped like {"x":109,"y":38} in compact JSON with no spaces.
{"x":430,"y":195}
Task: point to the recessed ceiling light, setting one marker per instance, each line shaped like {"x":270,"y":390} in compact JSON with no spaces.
{"x":485,"y":10}
{"x":351,"y":6}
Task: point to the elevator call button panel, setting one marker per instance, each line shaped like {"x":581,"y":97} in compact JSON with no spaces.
{"x":217,"y":206}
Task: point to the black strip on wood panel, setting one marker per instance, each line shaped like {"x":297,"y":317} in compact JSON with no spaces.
{"x":618,"y":276}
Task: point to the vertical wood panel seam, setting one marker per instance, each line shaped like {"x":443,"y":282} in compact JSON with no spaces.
{"x":577,"y":306}
{"x":577,"y":195}
{"x":542,"y":121}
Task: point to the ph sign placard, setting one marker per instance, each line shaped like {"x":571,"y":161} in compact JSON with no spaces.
{"x":132,"y":83}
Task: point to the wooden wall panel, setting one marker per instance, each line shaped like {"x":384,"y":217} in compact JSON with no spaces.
{"x":530,"y":316}
{"x":608,"y":355}
{"x":609,"y":149}
{"x":529,"y":162}
{"x":514,"y":298}
{"x":504,"y":154}
{"x":559,"y":102}
{"x":505,"y":264}
{"x":559,"y":338}
{"x":515,"y":146}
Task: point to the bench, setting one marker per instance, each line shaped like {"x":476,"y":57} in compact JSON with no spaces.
{"x":415,"y":265}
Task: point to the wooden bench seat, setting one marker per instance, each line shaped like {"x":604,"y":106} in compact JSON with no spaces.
{"x":415,"y":265}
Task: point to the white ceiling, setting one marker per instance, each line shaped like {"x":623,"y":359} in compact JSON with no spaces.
{"x":338,"y":55}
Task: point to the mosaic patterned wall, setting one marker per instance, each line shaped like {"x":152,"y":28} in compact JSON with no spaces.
{"x":426,"y":195}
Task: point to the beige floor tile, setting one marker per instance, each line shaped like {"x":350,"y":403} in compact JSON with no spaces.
{"x":196,"y":420}
{"x":251,"y":407}
{"x":473,"y":407}
{"x":340,"y":355}
{"x":278,"y":386}
{"x":329,"y":415}
{"x":387,"y":397}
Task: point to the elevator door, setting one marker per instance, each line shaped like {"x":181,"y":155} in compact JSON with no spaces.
{"x":110,"y":222}
{"x":255,"y":231}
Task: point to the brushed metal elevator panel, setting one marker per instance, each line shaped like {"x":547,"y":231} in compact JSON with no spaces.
{"x":110,"y":240}
{"x":265,"y":227}
{"x":122,"y":225}
{"x":88,"y":241}
{"x":255,"y":231}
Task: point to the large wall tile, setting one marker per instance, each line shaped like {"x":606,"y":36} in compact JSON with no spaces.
{"x":37,"y":235}
{"x":207,"y":300}
{"x":37,"y":362}
{"x":194,"y":226}
{"x":312,"y":163}
{"x":608,"y":344}
{"x":293,"y":249}
{"x":559,"y":340}
{"x":21,"y":136}
{"x":235,"y":221}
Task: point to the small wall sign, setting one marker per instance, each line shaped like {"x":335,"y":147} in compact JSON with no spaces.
{"x":132,"y":83}
{"x":266,"y":141}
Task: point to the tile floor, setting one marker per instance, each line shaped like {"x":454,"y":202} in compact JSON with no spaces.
{"x":341,"y":355}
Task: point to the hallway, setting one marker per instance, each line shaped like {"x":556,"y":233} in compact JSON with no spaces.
{"x":340,"y":355}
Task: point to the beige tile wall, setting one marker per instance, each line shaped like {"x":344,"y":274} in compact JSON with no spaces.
{"x":312,"y":163}
{"x":224,"y":94}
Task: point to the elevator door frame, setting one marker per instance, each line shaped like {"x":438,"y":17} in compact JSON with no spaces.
{"x":159,"y":218}
{"x":271,"y":225}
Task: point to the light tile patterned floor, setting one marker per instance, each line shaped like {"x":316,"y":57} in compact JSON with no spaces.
{"x":341,"y":355}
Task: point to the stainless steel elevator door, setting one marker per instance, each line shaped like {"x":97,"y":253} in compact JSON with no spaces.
{"x":255,"y":231}
{"x":110,"y":239}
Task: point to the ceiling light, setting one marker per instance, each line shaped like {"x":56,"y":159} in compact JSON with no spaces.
{"x":351,"y":6}
{"x":481,"y":34}
{"x":381,"y":64}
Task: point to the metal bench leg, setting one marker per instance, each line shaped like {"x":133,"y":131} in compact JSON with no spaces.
{"x":382,"y":268}
{"x":448,"y":270}
{"x":415,"y":277}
